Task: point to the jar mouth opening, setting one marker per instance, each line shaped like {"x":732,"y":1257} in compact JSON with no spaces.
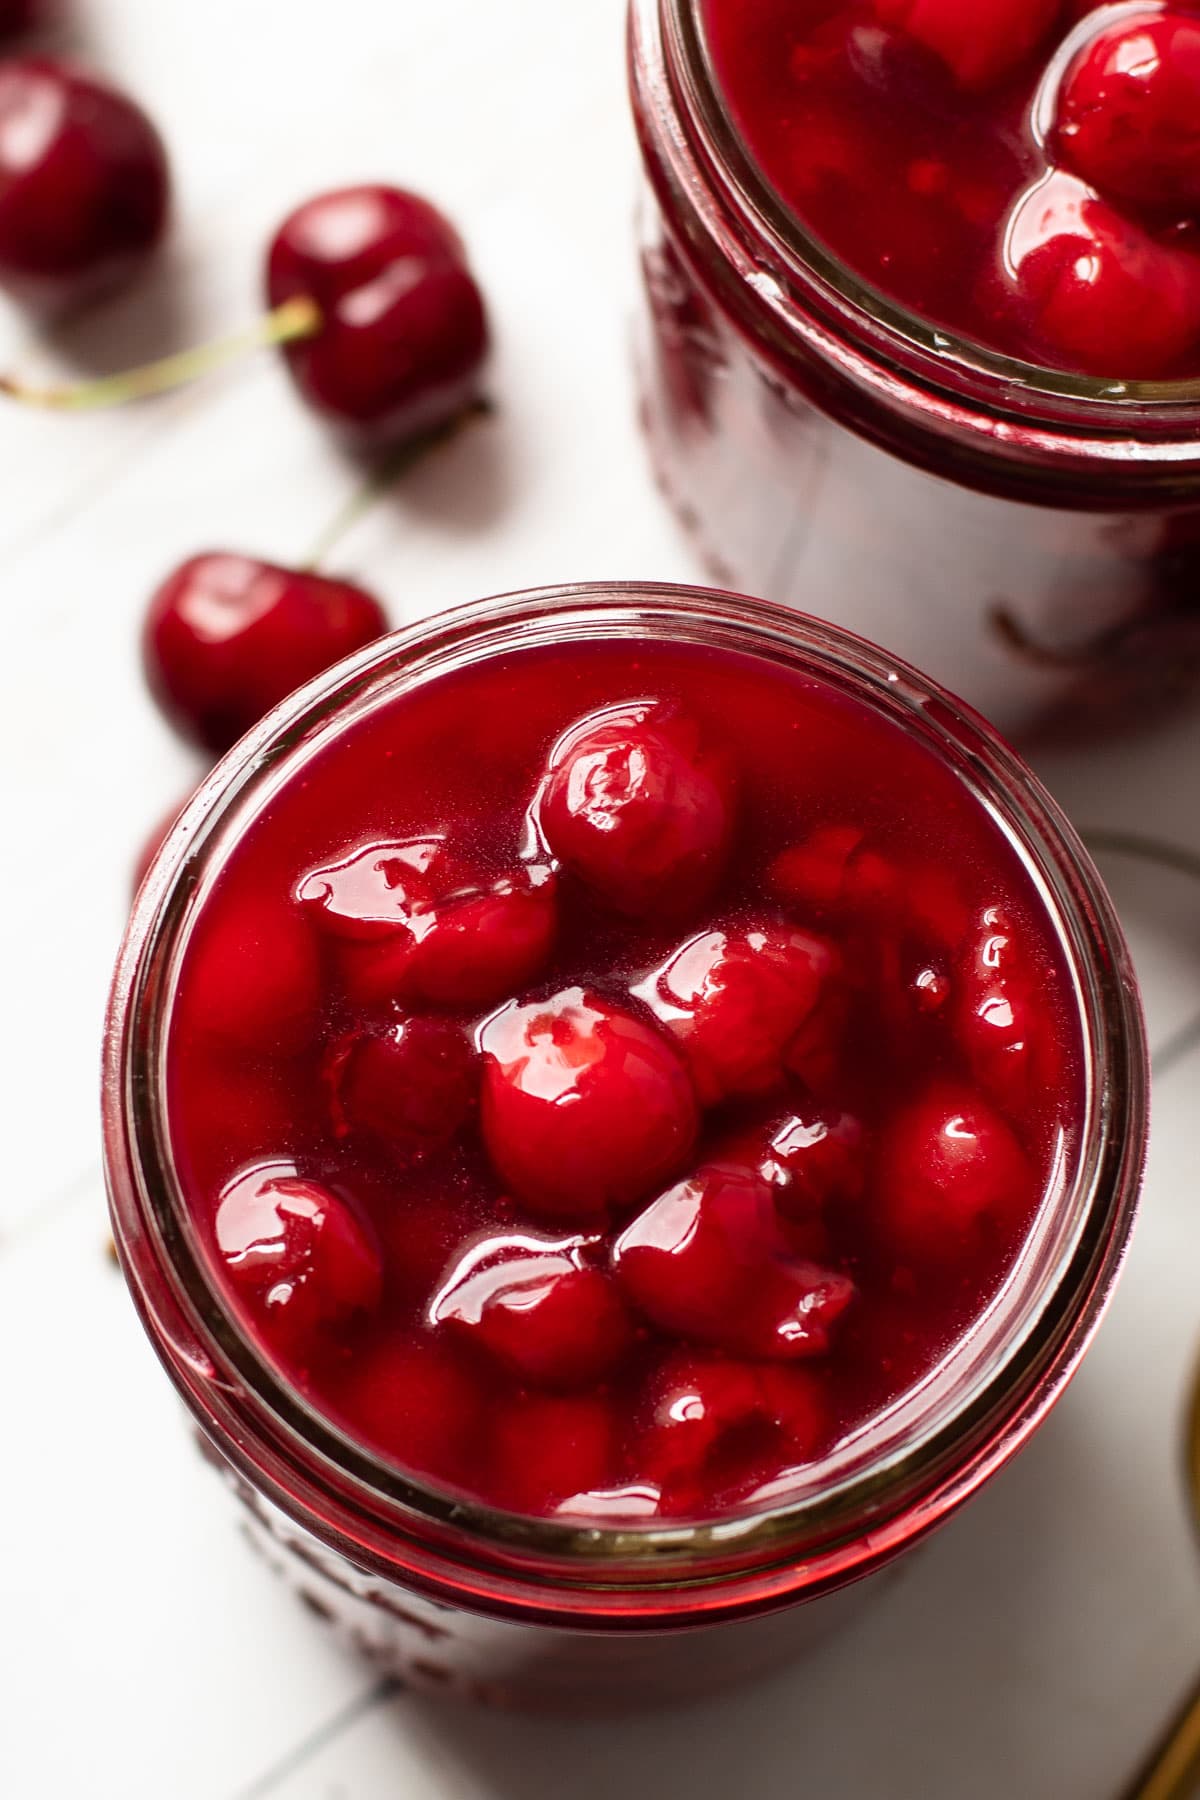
{"x":949,"y":1431}
{"x":1109,"y":400}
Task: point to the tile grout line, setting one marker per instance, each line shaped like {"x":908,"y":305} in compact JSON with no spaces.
{"x":328,"y":1733}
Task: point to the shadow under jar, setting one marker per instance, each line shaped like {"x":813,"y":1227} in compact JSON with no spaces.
{"x":600,"y":1531}
{"x":1027,"y":534}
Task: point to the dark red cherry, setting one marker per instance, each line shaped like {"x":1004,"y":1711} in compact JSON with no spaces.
{"x":734,"y":1001}
{"x":585,"y":1108}
{"x":1128,"y":113}
{"x":255,"y":975}
{"x":413,"y":923}
{"x":414,"y":1400}
{"x":545,"y":1449}
{"x":1097,"y":290}
{"x":980,"y":42}
{"x":84,"y":183}
{"x":710,"y":1261}
{"x":403,"y":334}
{"x":951,"y":1182}
{"x":411,"y":1083}
{"x":714,"y":1425}
{"x":537,"y":1306}
{"x":637,"y":806}
{"x":228,"y":637}
{"x":296,"y":1248}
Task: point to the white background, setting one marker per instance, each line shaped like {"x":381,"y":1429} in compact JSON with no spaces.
{"x":144,"y":1654}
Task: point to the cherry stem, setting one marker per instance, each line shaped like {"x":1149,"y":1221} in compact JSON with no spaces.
{"x":1130,"y":843}
{"x":297,"y":318}
{"x":385,"y":477}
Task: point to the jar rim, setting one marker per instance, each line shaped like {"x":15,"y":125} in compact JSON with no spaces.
{"x":670,"y":54}
{"x":288,"y":1448}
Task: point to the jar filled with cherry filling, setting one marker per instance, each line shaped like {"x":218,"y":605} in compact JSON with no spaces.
{"x":921,"y":342}
{"x":622,"y":1109}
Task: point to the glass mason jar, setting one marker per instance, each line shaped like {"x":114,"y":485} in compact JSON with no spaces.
{"x":1030,"y":538}
{"x":451,"y":1595}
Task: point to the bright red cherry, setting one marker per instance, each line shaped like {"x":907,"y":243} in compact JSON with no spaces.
{"x":638,"y":807}
{"x":714,"y":1425}
{"x":403,"y":332}
{"x":1128,"y":113}
{"x":84,"y":183}
{"x":981,"y":41}
{"x":734,"y":1001}
{"x":228,"y":637}
{"x":298,"y":1251}
{"x":409,"y":1083}
{"x":709,"y":1259}
{"x":413,"y":923}
{"x":1097,"y":290}
{"x":256,"y":976}
{"x":951,"y":1180}
{"x":414,"y":1400}
{"x":585,"y":1108}
{"x":545,"y":1449}
{"x":1000,"y":1016}
{"x":538,"y":1306}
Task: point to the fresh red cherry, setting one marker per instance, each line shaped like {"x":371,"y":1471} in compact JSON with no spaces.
{"x":545,"y":1449}
{"x":1012,"y":1047}
{"x":413,"y":923}
{"x":415,"y":1401}
{"x":639,"y":808}
{"x":409,"y":1083}
{"x":585,"y":1108}
{"x":951,"y":1180}
{"x":84,"y":183}
{"x":734,"y":1001}
{"x":228,"y":637}
{"x":1098,"y":292}
{"x":714,"y":1425}
{"x":403,"y":332}
{"x":1128,"y":113}
{"x":980,"y":42}
{"x":538,"y":1306}
{"x":709,"y":1260}
{"x":298,"y":1251}
{"x":255,"y":975}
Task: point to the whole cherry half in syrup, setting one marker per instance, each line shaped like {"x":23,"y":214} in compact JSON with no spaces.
{"x":573,"y":1238}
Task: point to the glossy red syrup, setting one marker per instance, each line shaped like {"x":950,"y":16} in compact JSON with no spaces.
{"x":1023,"y":173}
{"x":608,"y":1075}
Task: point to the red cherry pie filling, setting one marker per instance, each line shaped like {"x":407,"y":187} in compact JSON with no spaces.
{"x":609,"y":1074}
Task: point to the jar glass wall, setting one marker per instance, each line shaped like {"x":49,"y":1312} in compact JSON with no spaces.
{"x":446,"y":1592}
{"x":1029,"y":538}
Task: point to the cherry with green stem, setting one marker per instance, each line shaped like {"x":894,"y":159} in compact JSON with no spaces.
{"x":228,"y":636}
{"x":373,"y":304}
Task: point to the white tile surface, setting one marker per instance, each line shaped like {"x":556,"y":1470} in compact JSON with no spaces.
{"x":144,"y":1654}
